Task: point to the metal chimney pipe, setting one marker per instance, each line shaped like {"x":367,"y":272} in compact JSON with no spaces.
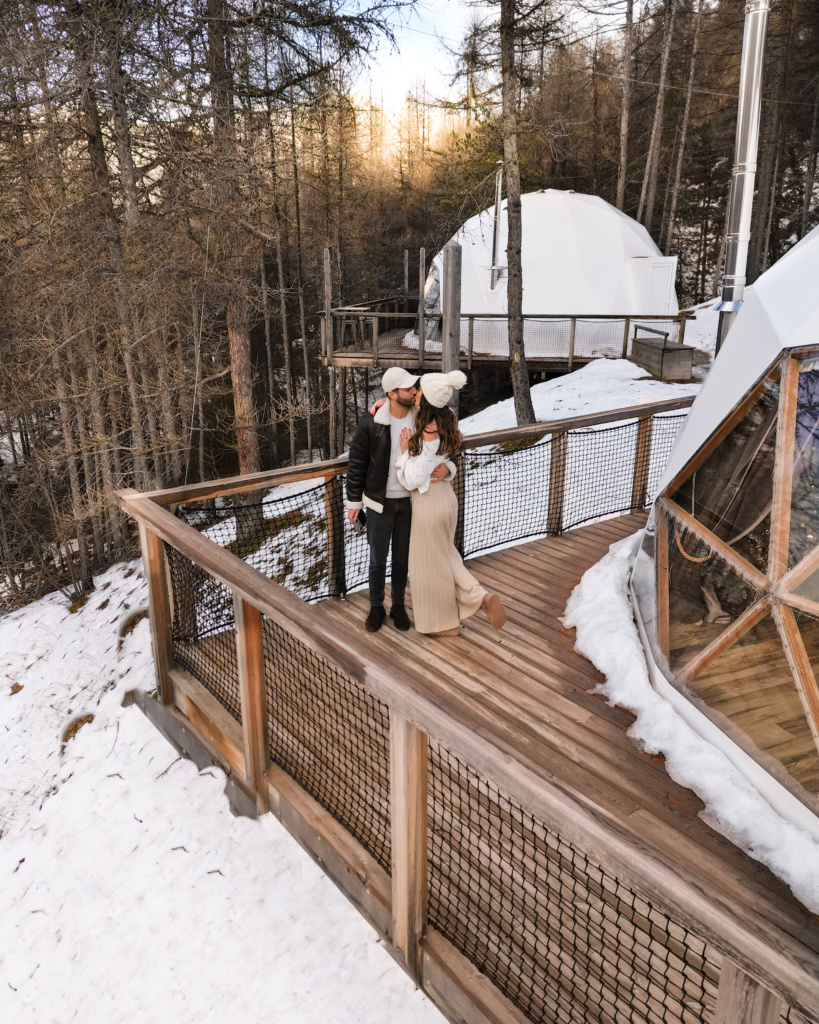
{"x":496,"y":229}
{"x":741,"y":197}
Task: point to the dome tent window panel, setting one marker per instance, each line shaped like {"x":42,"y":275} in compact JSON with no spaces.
{"x":808,"y":629}
{"x":731,"y":491}
{"x":750,"y":693}
{"x":804,"y":518}
{"x":706,"y":594}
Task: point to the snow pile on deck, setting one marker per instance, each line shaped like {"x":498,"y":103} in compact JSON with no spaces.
{"x":600,"y":610}
{"x":597,"y":387}
{"x":128,"y":891}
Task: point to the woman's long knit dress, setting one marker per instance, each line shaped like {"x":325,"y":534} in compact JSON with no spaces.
{"x":443,"y":591}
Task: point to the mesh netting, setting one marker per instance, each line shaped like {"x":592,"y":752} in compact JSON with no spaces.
{"x":558,"y":935}
{"x":331,"y":736}
{"x":285,"y":537}
{"x":204,"y":641}
{"x":507,"y":491}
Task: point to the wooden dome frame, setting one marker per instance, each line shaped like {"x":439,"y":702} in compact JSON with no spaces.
{"x":775,"y":589}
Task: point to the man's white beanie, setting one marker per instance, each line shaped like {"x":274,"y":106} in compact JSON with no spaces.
{"x":437,"y":388}
{"x":397,"y":377}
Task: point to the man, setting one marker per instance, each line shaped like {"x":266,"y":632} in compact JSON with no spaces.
{"x":372,"y":483}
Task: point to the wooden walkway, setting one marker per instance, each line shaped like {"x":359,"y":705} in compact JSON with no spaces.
{"x":528,"y":690}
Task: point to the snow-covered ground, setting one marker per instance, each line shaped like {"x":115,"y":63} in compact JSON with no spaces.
{"x":701,"y":333}
{"x":129,"y":891}
{"x":597,"y":387}
{"x":600,"y":610}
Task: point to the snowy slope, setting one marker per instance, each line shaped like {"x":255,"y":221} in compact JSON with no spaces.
{"x":129,"y":892}
{"x":597,"y":387}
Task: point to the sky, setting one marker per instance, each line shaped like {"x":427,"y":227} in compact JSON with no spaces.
{"x":421,"y":56}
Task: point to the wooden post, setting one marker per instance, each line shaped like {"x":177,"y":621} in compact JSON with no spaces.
{"x":783,"y":469}
{"x":571,"y":343}
{"x":557,"y":483}
{"x":252,"y":690}
{"x":625,"y":337}
{"x":460,"y":494}
{"x":408,"y":817}
{"x":642,"y":460}
{"x":375,"y":341}
{"x":422,"y":324}
{"x":681,"y":335}
{"x":406,"y":278}
{"x":742,"y":999}
{"x":451,"y":328}
{"x":334,"y":511}
{"x":471,"y":343}
{"x":661,"y":564}
{"x":153,"y":557}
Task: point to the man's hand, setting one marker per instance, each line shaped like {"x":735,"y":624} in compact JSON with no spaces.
{"x":376,"y":406}
{"x":439,"y":473}
{"x":352,"y":514}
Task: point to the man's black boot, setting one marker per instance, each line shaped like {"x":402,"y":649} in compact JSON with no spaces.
{"x":375,"y":618}
{"x":399,"y":615}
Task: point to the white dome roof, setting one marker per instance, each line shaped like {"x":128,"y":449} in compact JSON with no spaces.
{"x":780,"y":311}
{"x":577,"y":254}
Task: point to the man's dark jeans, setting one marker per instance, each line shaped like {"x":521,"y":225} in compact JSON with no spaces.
{"x":391,"y":525}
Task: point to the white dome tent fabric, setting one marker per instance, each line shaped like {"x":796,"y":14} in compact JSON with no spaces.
{"x":580,"y":255}
{"x":781,"y":310}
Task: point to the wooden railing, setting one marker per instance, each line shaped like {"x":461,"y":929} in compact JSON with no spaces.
{"x":360,"y":330}
{"x":761,"y":973}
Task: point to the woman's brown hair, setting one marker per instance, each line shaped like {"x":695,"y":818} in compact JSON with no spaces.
{"x":449,"y":436}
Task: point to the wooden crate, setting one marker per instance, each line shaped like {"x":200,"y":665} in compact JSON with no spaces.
{"x":663,"y":359}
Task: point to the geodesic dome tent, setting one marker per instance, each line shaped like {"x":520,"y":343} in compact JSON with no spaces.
{"x":726,"y":584}
{"x":580,"y":255}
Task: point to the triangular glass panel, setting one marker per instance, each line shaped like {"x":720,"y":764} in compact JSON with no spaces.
{"x":731,"y":492}
{"x":705,"y":595}
{"x":750,"y":693}
{"x":804,"y":526}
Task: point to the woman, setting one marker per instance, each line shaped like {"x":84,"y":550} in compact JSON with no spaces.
{"x":444,"y":592}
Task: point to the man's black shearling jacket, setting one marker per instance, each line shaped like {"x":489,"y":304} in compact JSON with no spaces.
{"x":369,"y":466}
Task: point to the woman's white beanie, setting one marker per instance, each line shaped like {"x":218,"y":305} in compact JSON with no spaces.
{"x":437,"y":388}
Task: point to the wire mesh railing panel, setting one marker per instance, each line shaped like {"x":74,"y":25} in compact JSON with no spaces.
{"x":650,"y":329}
{"x":595,"y":338}
{"x":506,"y":494}
{"x":284,"y":536}
{"x":599,"y":473}
{"x":202,"y":633}
{"x":665,"y":428}
{"x":563,"y":939}
{"x":330,"y":735}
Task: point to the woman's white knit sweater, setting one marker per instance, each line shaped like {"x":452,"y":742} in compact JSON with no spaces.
{"x":415,"y":471}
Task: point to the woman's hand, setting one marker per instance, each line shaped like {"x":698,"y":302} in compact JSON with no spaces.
{"x":376,"y":406}
{"x":406,"y":434}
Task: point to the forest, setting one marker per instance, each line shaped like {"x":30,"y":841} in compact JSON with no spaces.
{"x":172,"y":172}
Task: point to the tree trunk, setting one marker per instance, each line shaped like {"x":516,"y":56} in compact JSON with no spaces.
{"x":300,"y":282}
{"x":626,"y":104}
{"x":672,"y":213}
{"x":524,"y":411}
{"x":288,"y":367}
{"x":648,"y":192}
{"x":122,"y":132}
{"x":236,"y":312}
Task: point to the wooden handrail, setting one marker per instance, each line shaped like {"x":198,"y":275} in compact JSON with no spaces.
{"x":336,"y":467}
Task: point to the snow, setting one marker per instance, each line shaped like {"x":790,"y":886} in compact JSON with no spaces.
{"x":597,"y":387}
{"x":701,"y":333}
{"x":130,"y":893}
{"x":600,"y":610}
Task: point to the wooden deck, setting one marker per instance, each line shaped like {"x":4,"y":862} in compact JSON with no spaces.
{"x":527,"y":689}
